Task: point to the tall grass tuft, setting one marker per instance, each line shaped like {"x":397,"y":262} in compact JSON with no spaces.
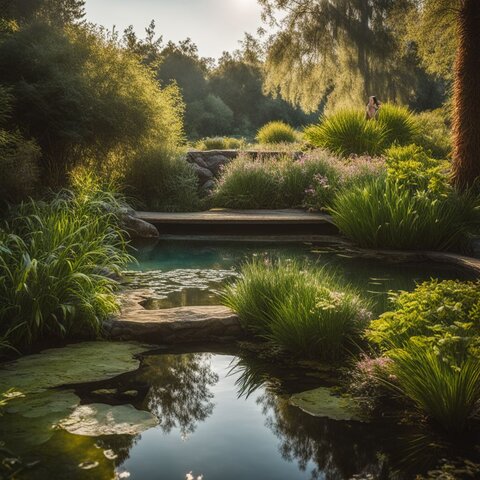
{"x":299,"y":308}
{"x":385,"y":214}
{"x":346,"y":132}
{"x":276,"y":132}
{"x":220,"y":143}
{"x":55,"y":265}
{"x":448,"y":395}
{"x":399,"y":124}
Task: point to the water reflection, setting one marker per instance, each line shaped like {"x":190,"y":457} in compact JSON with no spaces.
{"x":179,"y":393}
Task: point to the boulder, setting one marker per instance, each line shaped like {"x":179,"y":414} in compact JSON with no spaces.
{"x":208,"y":186}
{"x":203,"y":174}
{"x":138,"y":228}
{"x":215,"y":162}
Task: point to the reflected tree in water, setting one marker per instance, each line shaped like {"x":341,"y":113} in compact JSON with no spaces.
{"x":179,"y":390}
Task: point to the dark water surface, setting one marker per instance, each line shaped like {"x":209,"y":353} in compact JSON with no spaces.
{"x":208,"y":427}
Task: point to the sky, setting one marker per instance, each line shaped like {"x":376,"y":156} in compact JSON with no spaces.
{"x":213,"y":25}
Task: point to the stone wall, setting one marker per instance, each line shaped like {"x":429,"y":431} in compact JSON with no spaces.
{"x":208,"y":163}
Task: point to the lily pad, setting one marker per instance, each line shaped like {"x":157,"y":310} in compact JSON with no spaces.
{"x":99,"y":419}
{"x":31,"y":420}
{"x":321,"y":402}
{"x":77,"y":363}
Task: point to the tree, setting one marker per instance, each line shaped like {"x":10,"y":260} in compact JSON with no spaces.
{"x":58,"y":12}
{"x":338,"y":50}
{"x":448,"y":35}
{"x":81,"y":96}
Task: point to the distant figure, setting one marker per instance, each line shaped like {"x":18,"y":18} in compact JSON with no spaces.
{"x":373,"y":106}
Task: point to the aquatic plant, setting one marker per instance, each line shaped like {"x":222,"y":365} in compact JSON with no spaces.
{"x":56,"y":260}
{"x":384,"y":214}
{"x":302,"y":309}
{"x":276,"y":132}
{"x":448,"y":394}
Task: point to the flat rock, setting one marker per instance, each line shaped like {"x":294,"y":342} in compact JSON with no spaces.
{"x":194,"y":324}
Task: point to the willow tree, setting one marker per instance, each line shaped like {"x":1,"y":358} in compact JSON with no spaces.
{"x":339,"y":51}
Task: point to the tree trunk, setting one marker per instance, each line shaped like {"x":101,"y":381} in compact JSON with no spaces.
{"x":466,"y":97}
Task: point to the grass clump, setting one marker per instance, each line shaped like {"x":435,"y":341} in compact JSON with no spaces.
{"x":384,"y":214}
{"x":346,"y":132}
{"x":220,"y":143}
{"x":54,"y":264}
{"x":447,"y":394}
{"x":301,"y":309}
{"x":399,"y":124}
{"x":276,"y":132}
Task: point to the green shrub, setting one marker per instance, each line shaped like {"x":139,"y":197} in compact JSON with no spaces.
{"x":162,"y":180}
{"x":448,"y":395}
{"x":312,"y":182}
{"x":301,"y":309}
{"x":413,"y":167}
{"x":53,"y":259}
{"x":385,"y":214}
{"x":399,"y":124}
{"x":248,"y":184}
{"x":220,"y":143}
{"x":276,"y":132}
{"x":346,"y":132}
{"x":434,"y":133}
{"x":441,"y":314}
{"x":19,"y":167}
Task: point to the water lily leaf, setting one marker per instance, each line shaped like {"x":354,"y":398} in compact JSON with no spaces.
{"x":321,"y":402}
{"x":31,"y":420}
{"x":77,"y":363}
{"x":99,"y":419}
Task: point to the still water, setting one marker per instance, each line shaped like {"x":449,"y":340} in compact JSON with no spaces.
{"x":209,"y":428}
{"x":183,"y":273}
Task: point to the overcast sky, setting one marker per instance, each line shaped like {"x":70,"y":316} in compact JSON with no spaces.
{"x":214,"y":25}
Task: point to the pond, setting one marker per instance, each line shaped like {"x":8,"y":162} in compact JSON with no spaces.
{"x":183,"y":273}
{"x":216,"y":415}
{"x":117,"y":410}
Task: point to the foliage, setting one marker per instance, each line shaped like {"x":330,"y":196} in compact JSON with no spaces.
{"x":80,"y":96}
{"x":434,"y":133}
{"x":220,"y":143}
{"x":440,"y":314}
{"x":52,"y":262}
{"x":312,"y":182}
{"x":209,"y":116}
{"x":415,"y":169}
{"x":384,"y":214}
{"x":347,"y":132}
{"x":276,"y":132}
{"x":301,"y":309}
{"x":248,"y":184}
{"x":339,"y":52}
{"x":162,"y":180}
{"x":448,"y":395}
{"x":18,"y":158}
{"x":399,"y":124}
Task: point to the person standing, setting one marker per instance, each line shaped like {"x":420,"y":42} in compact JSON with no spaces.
{"x":373,"y":106}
